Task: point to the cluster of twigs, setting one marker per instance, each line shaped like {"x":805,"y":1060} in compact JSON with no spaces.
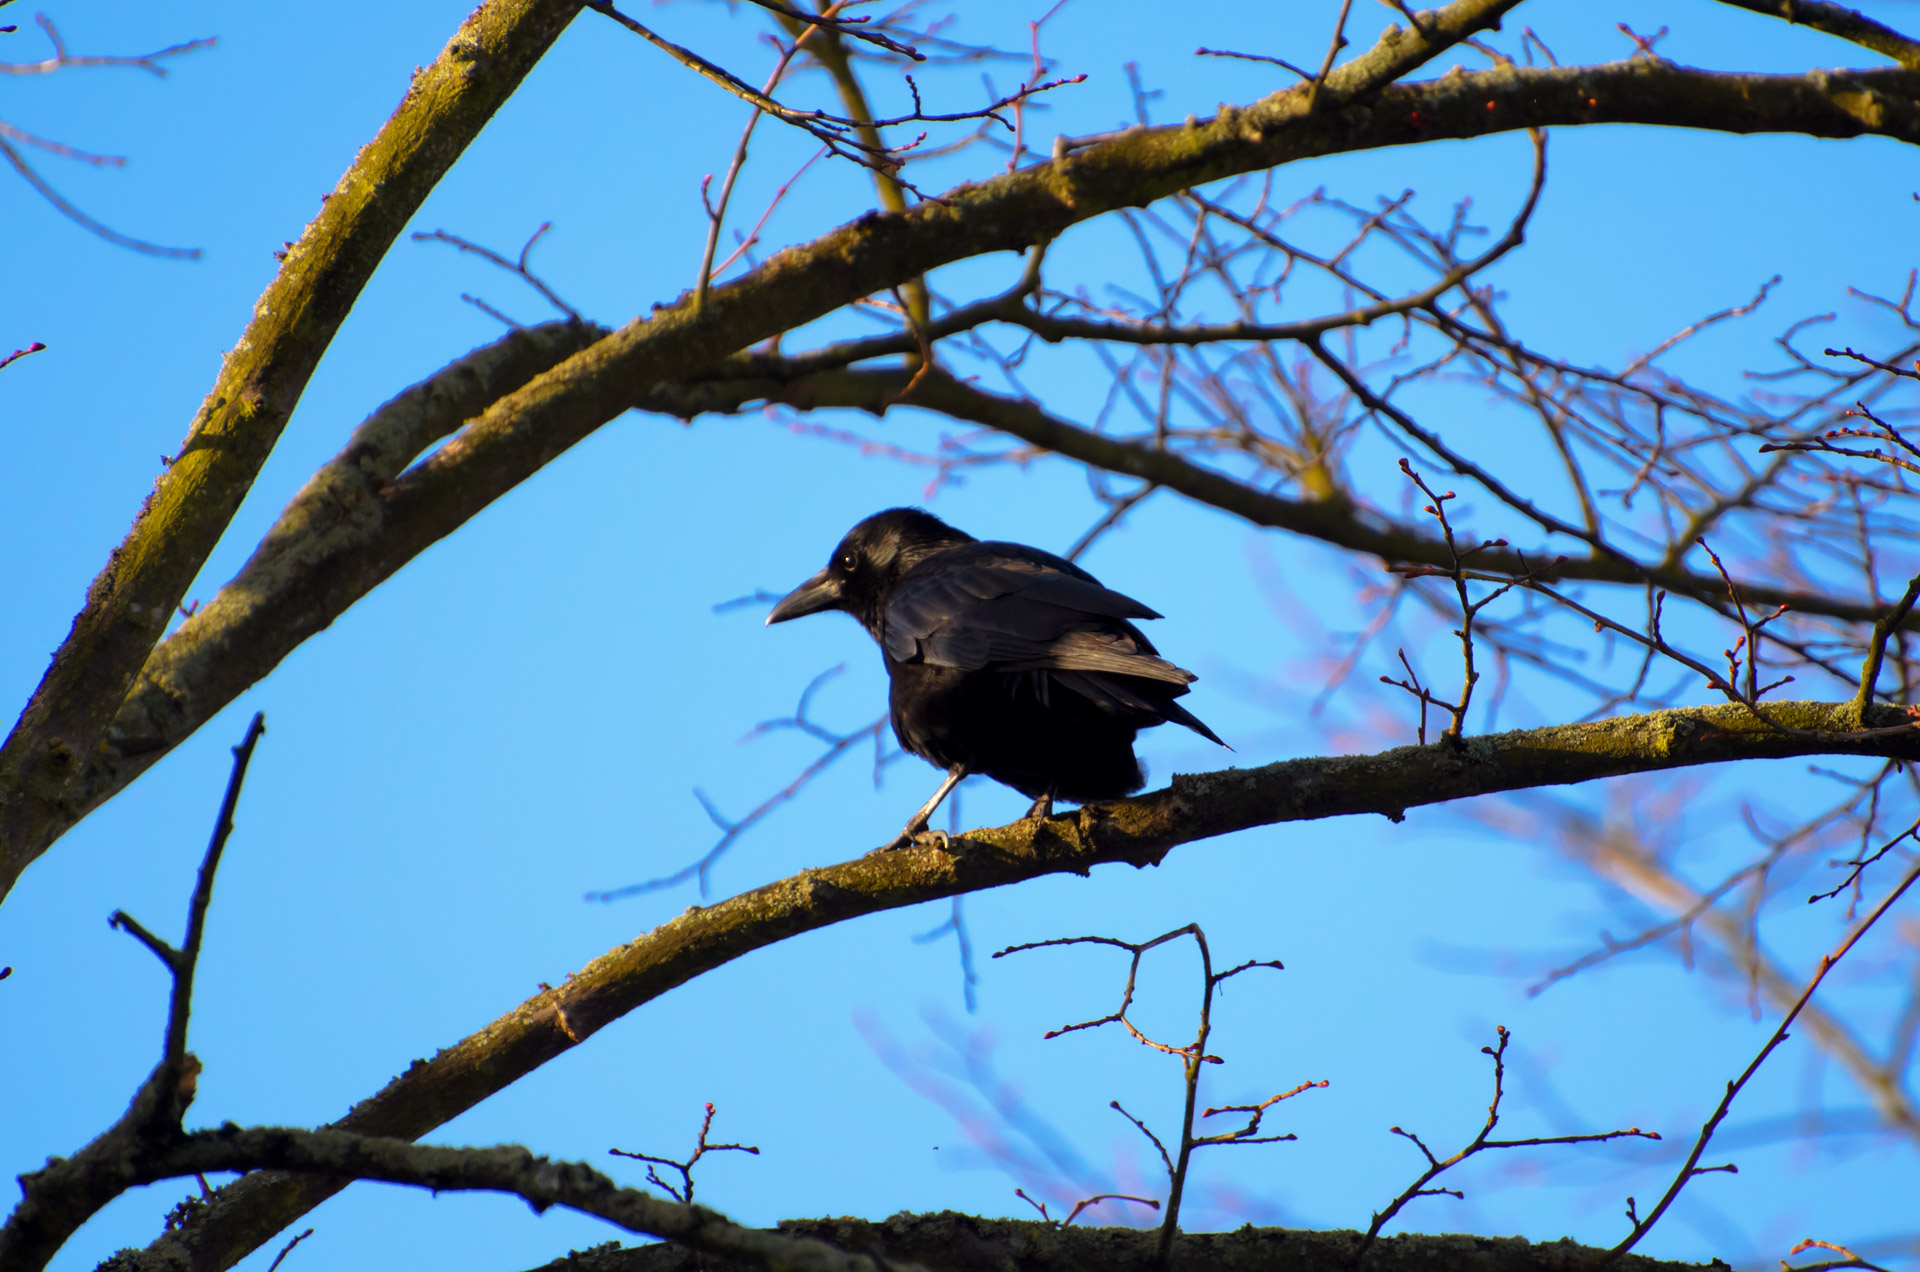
{"x":1192,"y":1057}
{"x":13,"y":138}
{"x":859,"y":135}
{"x":683,"y":1191}
{"x":834,"y":745}
{"x":1423,"y":1185}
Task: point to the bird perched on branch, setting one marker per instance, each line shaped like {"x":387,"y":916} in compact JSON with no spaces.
{"x":1003,"y":660}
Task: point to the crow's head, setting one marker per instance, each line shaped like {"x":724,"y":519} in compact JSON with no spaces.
{"x":869,"y":561}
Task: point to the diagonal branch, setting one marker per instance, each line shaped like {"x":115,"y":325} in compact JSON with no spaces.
{"x":1691,"y":1167}
{"x":1639,"y":872}
{"x":1838,"y":20}
{"x":130,"y":602}
{"x":286,"y":592}
{"x":72,"y":211}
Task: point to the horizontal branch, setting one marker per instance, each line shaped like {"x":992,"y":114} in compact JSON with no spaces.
{"x":69,"y":1189}
{"x":1332,"y":521}
{"x":976,"y":1244}
{"x":1138,"y":831}
{"x":131,"y":601}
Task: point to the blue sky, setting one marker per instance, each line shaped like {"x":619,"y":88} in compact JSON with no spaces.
{"x":520,"y":716}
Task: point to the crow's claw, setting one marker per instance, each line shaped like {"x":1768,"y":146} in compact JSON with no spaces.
{"x":934,"y":838}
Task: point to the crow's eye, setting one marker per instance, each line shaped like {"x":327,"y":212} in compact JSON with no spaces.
{"x":847,"y":561}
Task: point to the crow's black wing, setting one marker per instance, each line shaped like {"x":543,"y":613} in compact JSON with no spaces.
{"x":1004,"y":607}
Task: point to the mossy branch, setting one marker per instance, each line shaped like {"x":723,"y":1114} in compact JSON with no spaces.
{"x":131,"y":601}
{"x":287,"y":591}
{"x":952,"y":1242}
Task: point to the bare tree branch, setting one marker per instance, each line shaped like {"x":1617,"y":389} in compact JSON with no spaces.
{"x":1691,"y":1168}
{"x":56,"y":1201}
{"x":977,"y":1244}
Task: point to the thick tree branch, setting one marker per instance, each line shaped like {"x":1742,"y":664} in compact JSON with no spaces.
{"x":1138,"y":831}
{"x":278,"y":598}
{"x":68,"y":1191}
{"x":953,"y":1242}
{"x":130,"y":602}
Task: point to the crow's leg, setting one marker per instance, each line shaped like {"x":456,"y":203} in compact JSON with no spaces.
{"x":1042,"y":808}
{"x":918,"y":822}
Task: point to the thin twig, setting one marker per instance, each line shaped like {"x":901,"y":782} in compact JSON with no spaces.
{"x":1480,"y":1143}
{"x":1690,"y":1168}
{"x":683,"y":1192}
{"x":517,"y":267}
{"x":183,"y":961}
{"x":18,"y":354}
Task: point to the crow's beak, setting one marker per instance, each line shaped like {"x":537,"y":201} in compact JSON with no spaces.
{"x":821,"y":592}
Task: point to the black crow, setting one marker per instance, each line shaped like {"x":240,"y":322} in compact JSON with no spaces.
{"x":1003,"y":659}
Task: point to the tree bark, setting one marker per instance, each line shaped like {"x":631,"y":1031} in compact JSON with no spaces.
{"x":953,"y":1242}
